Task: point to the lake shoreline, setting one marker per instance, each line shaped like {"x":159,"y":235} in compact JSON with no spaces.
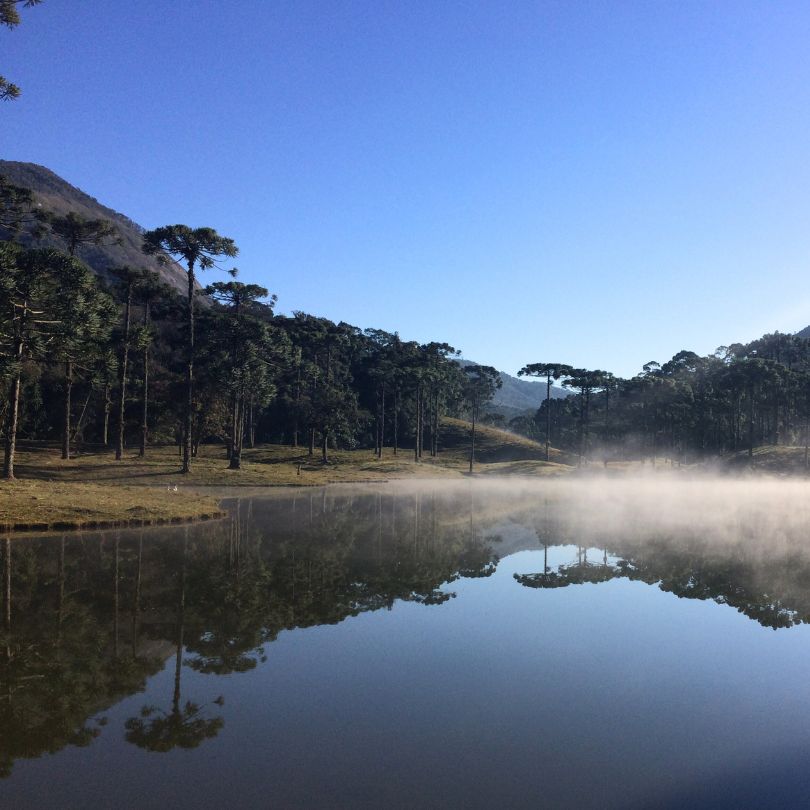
{"x":93,"y":491}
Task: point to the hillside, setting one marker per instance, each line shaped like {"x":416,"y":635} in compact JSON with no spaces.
{"x":518,"y":396}
{"x":57,"y":195}
{"x":492,"y":444}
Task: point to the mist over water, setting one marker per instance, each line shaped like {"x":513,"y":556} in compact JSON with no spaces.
{"x":588,"y":642}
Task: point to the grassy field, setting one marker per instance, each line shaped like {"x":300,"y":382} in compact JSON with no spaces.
{"x":93,"y":489}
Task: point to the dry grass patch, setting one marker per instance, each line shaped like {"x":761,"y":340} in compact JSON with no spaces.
{"x":44,"y":505}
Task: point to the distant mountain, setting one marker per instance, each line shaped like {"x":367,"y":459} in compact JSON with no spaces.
{"x":804,"y":333}
{"x":57,"y":195}
{"x":518,"y":396}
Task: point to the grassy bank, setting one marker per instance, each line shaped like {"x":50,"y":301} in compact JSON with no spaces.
{"x":94,"y":489}
{"x":41,"y":505}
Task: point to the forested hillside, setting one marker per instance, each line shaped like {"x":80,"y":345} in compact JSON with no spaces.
{"x":103,"y":344}
{"x":99,"y":350}
{"x":56,"y":195}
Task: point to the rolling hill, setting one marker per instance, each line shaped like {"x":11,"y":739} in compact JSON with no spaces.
{"x":57,"y":195}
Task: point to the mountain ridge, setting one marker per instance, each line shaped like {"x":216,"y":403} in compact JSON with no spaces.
{"x":56,"y":194}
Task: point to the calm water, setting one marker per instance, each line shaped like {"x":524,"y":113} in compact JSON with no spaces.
{"x":627,"y":644}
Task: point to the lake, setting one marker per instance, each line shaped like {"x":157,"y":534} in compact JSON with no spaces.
{"x":569,"y":643}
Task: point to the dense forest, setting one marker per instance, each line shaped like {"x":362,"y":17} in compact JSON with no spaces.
{"x":124,"y":360}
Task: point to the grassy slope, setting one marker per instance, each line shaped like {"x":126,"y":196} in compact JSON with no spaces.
{"x":773,"y":459}
{"x":94,"y":488}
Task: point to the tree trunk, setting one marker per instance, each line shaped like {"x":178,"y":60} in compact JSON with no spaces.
{"x":421,"y":422}
{"x":436,"y":426}
{"x":13,"y":420}
{"x":382,"y":423}
{"x":324,"y":446}
{"x":297,"y":399}
{"x":186,"y":468}
{"x":751,"y":424}
{"x":472,"y":436}
{"x":377,"y":426}
{"x":66,"y":415}
{"x":145,"y":402}
{"x":105,"y":431}
{"x":396,"y":420}
{"x":312,"y":441}
{"x":806,"y":443}
{"x":548,"y":414}
{"x":122,"y":382}
{"x":236,"y":438}
{"x":417,"y":426}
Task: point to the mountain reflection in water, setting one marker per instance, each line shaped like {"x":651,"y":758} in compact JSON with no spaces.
{"x":90,"y":620}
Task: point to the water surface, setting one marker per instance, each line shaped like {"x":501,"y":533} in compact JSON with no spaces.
{"x":583,"y":644}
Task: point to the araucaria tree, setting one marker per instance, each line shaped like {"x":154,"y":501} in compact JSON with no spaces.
{"x":27,"y":292}
{"x":77,"y":231}
{"x":480,"y":386}
{"x":128,"y":278}
{"x":82,"y":317}
{"x":551,"y":371}
{"x":196,"y":247}
{"x":246,"y":340}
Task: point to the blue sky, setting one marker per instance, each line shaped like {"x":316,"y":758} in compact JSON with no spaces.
{"x":595,"y":183}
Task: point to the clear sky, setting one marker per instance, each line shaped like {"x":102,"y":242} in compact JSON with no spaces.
{"x":597,"y":183}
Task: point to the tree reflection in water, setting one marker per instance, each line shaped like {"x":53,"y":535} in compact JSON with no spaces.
{"x":88,"y":618}
{"x":186,"y":727}
{"x":764,"y":577}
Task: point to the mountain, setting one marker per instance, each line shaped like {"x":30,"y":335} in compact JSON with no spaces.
{"x":518,"y":396}
{"x":57,"y":195}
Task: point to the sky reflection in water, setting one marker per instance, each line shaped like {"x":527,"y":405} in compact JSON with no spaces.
{"x":436,"y":645}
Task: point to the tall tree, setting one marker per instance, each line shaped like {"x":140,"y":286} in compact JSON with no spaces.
{"x":551,"y":371}
{"x":27,"y":293}
{"x":17,"y":209}
{"x":77,"y":231}
{"x":481,"y":383}
{"x":150,"y":290}
{"x":586,"y":381}
{"x":246,"y":338}
{"x":197,"y":247}
{"x":83,"y":318}
{"x":128,"y":278}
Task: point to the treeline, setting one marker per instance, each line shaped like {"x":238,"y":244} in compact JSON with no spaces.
{"x":740,"y":397}
{"x":133,"y":362}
